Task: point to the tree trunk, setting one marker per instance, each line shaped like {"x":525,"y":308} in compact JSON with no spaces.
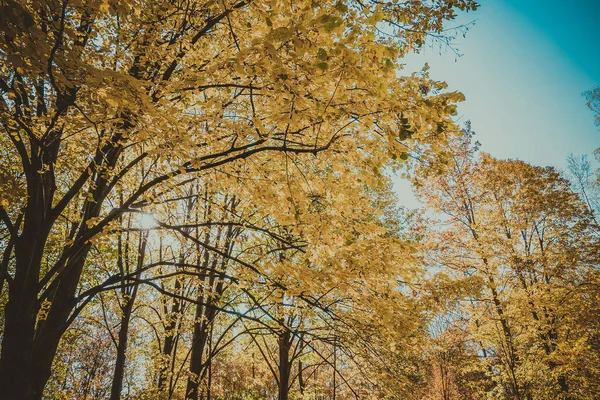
{"x":27,"y":352}
{"x":16,"y":369}
{"x":17,"y":365}
{"x":284,"y":364}
{"x":209,"y":366}
{"x":200,"y":339}
{"x":117,"y":381}
{"x":301,"y":383}
{"x":170,"y":338}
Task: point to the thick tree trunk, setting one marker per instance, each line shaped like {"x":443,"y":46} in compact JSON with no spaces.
{"x":284,"y":364}
{"x":17,"y":364}
{"x":200,"y":339}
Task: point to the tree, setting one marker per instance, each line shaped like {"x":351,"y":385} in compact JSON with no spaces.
{"x":593,"y":102}
{"x":585,"y":181}
{"x":523,"y":245}
{"x":95,"y":93}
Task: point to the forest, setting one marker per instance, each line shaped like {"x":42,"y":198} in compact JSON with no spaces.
{"x":196,"y":202}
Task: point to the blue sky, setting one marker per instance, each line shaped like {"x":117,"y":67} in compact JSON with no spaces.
{"x":524,"y":66}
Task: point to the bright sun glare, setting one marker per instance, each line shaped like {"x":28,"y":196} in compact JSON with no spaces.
{"x":146,"y":221}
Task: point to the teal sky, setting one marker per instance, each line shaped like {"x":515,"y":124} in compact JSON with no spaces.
{"x":524,"y":66}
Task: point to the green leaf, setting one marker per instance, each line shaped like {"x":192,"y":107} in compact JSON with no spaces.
{"x":322,"y":54}
{"x":341,"y":7}
{"x":323,"y":65}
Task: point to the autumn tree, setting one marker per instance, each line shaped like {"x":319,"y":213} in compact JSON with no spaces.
{"x":523,"y":244}
{"x":93,"y":94}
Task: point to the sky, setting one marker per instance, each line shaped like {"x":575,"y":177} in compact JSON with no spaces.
{"x":523,"y":67}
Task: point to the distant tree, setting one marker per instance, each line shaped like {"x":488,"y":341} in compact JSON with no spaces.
{"x":524,"y":247}
{"x":593,"y":102}
{"x":585,"y":181}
